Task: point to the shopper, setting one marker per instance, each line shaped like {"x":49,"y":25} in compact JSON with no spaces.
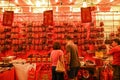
{"x":56,"y":54}
{"x":72,"y":59}
{"x":115,"y":51}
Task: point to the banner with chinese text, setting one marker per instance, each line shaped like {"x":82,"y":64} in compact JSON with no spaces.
{"x":86,"y":15}
{"x":48,"y":17}
{"x":8,"y":18}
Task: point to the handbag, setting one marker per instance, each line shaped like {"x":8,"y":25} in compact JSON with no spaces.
{"x":60,"y":67}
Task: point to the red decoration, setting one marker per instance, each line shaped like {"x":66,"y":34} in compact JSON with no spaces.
{"x":101,"y":24}
{"x":48,"y":17}
{"x":86,"y":15}
{"x":8,"y":18}
{"x":93,"y":8}
{"x":31,"y":74}
{"x":104,"y":9}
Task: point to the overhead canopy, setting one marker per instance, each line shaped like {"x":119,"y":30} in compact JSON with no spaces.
{"x":57,"y":5}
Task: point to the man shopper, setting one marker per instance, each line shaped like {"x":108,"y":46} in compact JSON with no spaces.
{"x":72,"y":59}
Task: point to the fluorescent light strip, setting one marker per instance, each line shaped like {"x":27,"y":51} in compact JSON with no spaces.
{"x":98,"y":1}
{"x":70,"y":8}
{"x":111,"y":0}
{"x":43,"y":2}
{"x":56,"y":0}
{"x":3,"y":9}
{"x":70,"y":0}
{"x":84,"y":4}
{"x":38,"y":3}
{"x":16,"y":1}
{"x":98,"y":8}
{"x":56,"y":8}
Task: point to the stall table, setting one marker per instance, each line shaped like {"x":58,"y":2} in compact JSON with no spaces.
{"x":8,"y":75}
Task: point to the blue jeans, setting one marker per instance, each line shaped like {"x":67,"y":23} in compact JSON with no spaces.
{"x":57,"y":75}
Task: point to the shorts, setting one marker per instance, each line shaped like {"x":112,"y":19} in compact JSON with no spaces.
{"x":116,"y":72}
{"x":72,"y":73}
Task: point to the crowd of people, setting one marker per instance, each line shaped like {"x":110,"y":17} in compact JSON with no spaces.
{"x":72,"y":65}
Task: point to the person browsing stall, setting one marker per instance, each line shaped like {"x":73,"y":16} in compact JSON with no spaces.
{"x":115,"y":52}
{"x":72,"y":59}
{"x":57,"y":54}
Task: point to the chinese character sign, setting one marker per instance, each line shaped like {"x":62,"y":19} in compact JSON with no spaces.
{"x":48,"y":17}
{"x":8,"y":18}
{"x":86,"y":15}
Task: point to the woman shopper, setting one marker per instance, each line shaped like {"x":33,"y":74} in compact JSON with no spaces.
{"x":115,"y":52}
{"x":57,"y":54}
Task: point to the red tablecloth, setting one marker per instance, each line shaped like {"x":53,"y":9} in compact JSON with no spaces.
{"x":8,"y":75}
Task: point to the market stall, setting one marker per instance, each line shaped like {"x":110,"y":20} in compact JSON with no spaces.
{"x":10,"y":73}
{"x":28,"y":31}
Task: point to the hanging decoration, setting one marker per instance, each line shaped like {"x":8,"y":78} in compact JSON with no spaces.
{"x":101,"y":24}
{"x":105,"y":8}
{"x":93,"y":8}
{"x":8,"y":18}
{"x":48,"y":17}
{"x":86,"y":15}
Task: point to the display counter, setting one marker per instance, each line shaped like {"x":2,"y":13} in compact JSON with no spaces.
{"x":8,"y":74}
{"x":39,"y":68}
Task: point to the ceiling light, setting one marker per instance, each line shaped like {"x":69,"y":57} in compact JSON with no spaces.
{"x":56,"y":1}
{"x":98,"y":8}
{"x":76,"y":9}
{"x":2,"y":2}
{"x":16,"y":1}
{"x":17,"y":10}
{"x":70,"y":8}
{"x":43,"y":2}
{"x":29,"y":9}
{"x":84,"y":4}
{"x":38,"y":3}
{"x":98,"y":1}
{"x":3,"y":9}
{"x":111,"y":0}
{"x":56,"y":8}
{"x":111,"y":9}
{"x":70,"y":1}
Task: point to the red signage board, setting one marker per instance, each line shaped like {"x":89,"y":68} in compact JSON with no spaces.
{"x":48,"y":17}
{"x":86,"y":15}
{"x":8,"y":18}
